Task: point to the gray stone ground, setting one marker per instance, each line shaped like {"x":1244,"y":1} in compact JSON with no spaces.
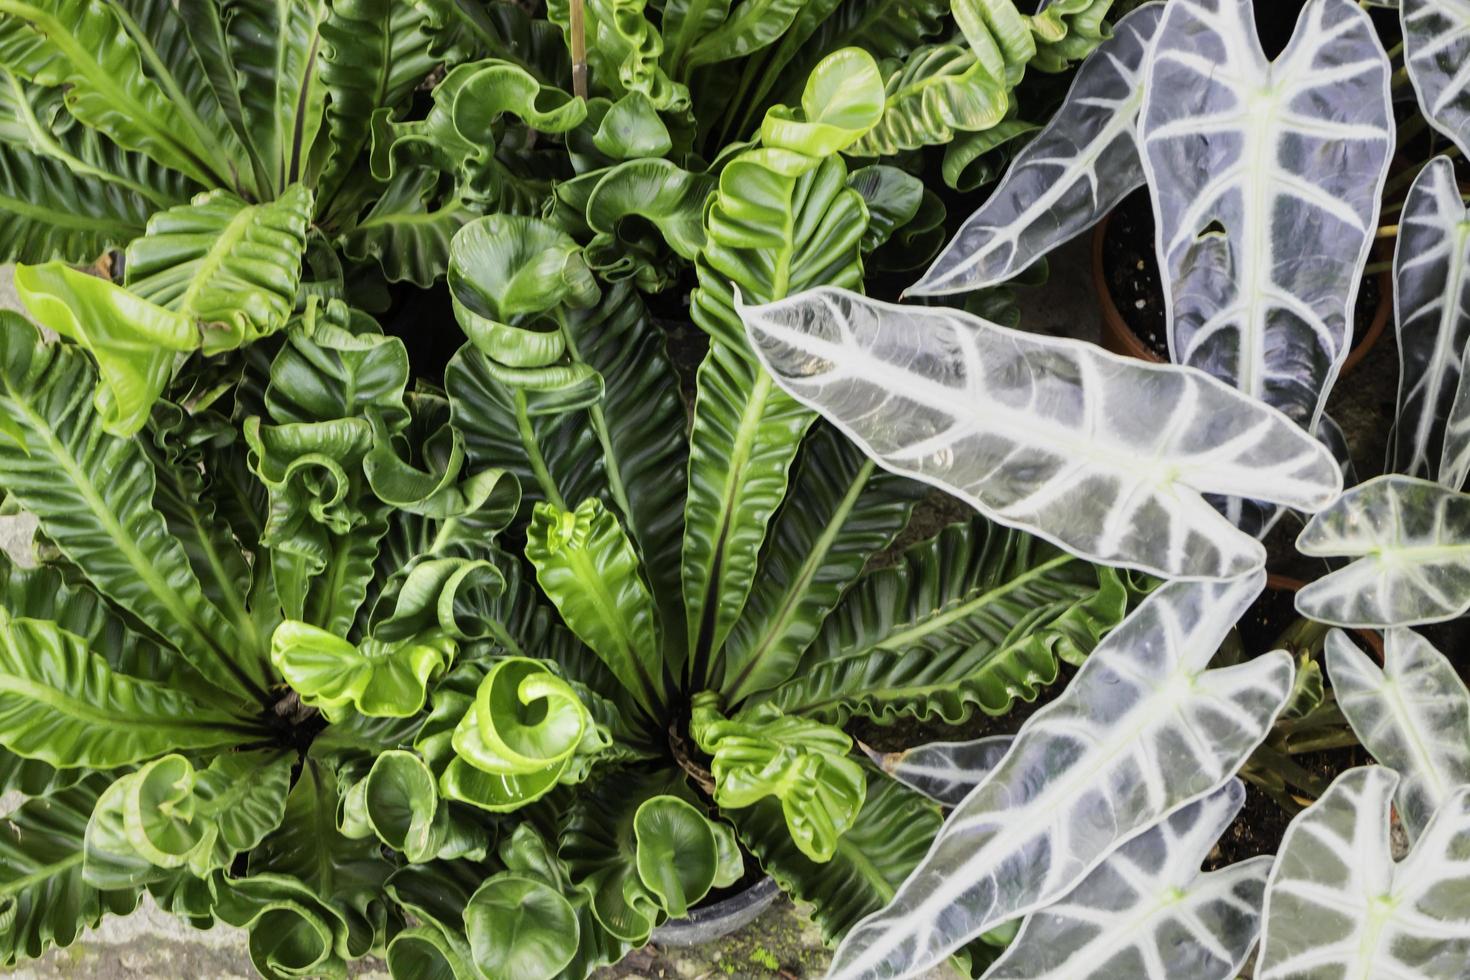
{"x":782,"y":943}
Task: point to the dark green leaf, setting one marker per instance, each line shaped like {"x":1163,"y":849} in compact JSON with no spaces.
{"x":976,"y":617}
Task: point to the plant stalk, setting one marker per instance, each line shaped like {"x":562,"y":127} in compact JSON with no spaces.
{"x":578,"y":31}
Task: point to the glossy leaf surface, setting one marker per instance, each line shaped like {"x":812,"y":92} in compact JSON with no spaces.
{"x":1144,"y":729}
{"x":1338,"y":905}
{"x":1261,"y":250}
{"x":955,"y":401}
{"x":1409,"y":545}
{"x":1076,"y":170}
{"x":1432,"y":315}
{"x":1412,"y":714}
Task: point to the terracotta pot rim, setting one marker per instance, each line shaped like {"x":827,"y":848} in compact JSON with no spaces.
{"x":1118,"y":336}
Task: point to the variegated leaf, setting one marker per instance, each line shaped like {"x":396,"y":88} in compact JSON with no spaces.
{"x":1413,"y":715}
{"x":944,"y":771}
{"x":1143,"y":730}
{"x":1076,"y":170}
{"x":1265,"y":178}
{"x":1431,"y":266}
{"x":1437,"y":55}
{"x":1410,"y":540}
{"x":1147,"y":913}
{"x":1338,"y":907}
{"x":1106,"y":456}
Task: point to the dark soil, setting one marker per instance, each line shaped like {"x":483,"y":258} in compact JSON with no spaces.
{"x":1262,"y":822}
{"x":1131,"y":271}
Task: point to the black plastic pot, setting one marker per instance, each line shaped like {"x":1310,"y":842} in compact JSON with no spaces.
{"x":705,"y":925}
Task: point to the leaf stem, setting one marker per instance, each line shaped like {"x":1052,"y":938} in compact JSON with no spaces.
{"x":578,"y":29}
{"x":533,"y":452}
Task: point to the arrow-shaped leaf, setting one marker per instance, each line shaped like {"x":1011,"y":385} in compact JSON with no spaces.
{"x":1261,"y":246}
{"x":1143,"y":730}
{"x":1412,"y":714}
{"x":1105,"y":456}
{"x":1076,"y":170}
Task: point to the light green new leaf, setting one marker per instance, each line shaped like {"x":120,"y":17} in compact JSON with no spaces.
{"x":504,"y":740}
{"x":64,"y":705}
{"x":587,"y":566}
{"x":93,"y":494}
{"x":678,"y":852}
{"x":44,"y":901}
{"x":85,"y":47}
{"x":232,"y":268}
{"x":134,"y":341}
{"x":166,"y":816}
{"x":761,"y":752}
{"x":940,"y":91}
{"x":381,"y":679}
{"x":842,"y":101}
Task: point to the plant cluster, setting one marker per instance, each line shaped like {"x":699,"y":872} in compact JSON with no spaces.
{"x":490,"y":668}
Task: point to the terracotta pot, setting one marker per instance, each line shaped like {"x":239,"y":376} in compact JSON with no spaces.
{"x":1119,"y":338}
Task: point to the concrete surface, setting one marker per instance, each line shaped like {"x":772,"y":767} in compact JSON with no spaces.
{"x":782,"y":943}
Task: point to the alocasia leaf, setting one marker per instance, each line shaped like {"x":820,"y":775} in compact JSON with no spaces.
{"x":977,"y":617}
{"x":1261,"y":254}
{"x":945,"y":772}
{"x":1144,"y":729}
{"x":1437,"y":57}
{"x":380,"y":678}
{"x":85,"y":48}
{"x":232,"y":268}
{"x":1067,"y":179}
{"x":1412,"y":715}
{"x":1409,"y":542}
{"x":93,"y":494}
{"x":44,"y":900}
{"x":761,"y":752}
{"x":588,"y":568}
{"x":1117,"y":460}
{"x":1432,"y":316}
{"x":167,"y":815}
{"x":1338,"y":905}
{"x":134,"y":341}
{"x":1147,"y":912}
